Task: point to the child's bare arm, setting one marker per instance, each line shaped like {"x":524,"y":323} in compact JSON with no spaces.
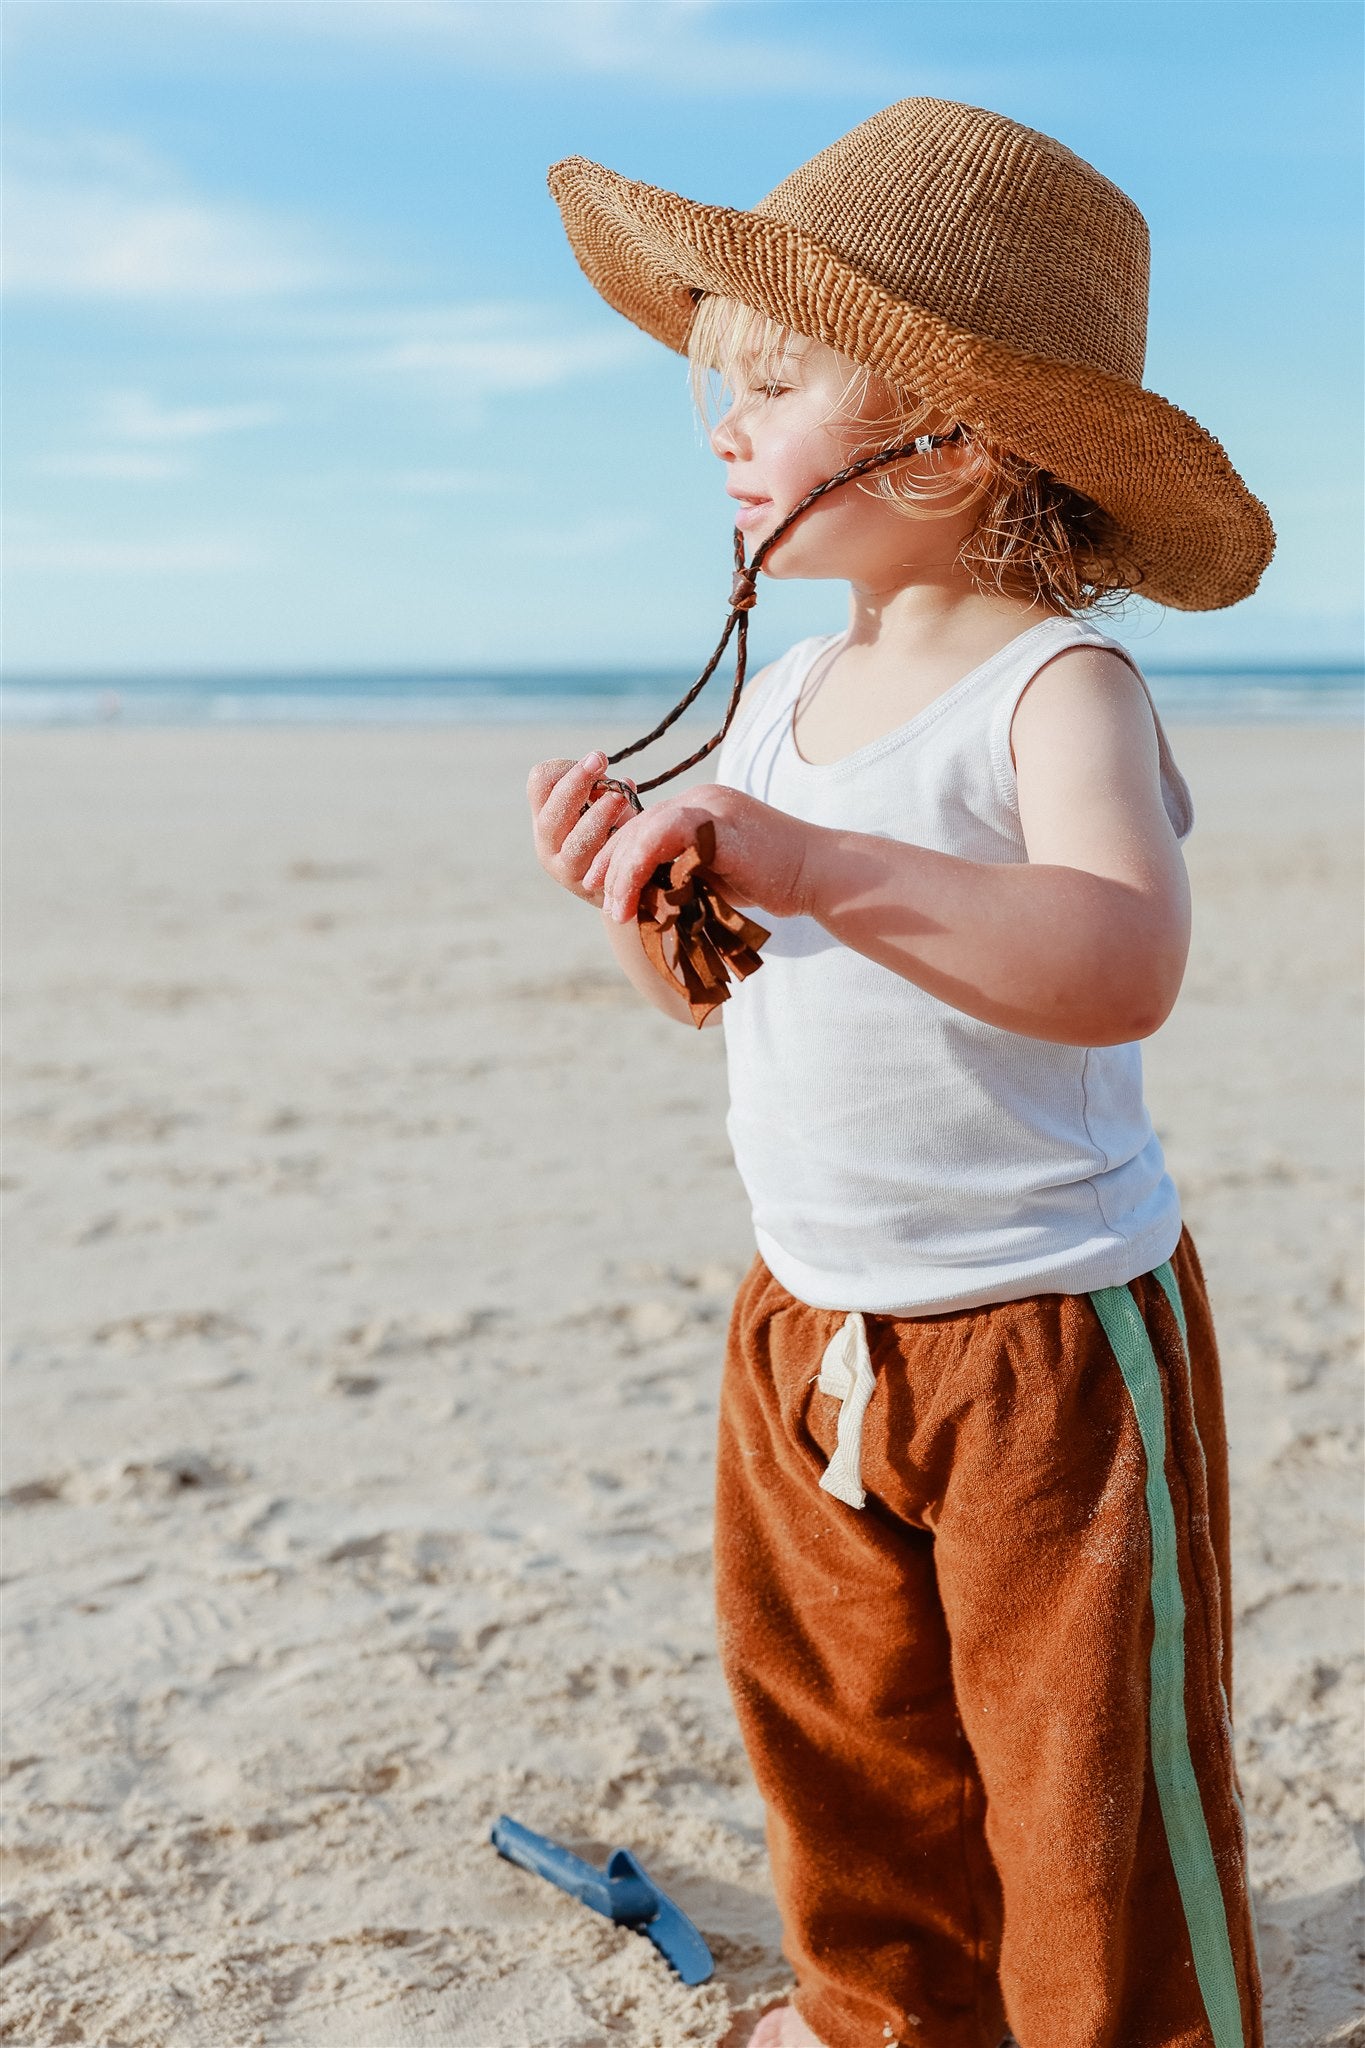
{"x":1086,"y":943}
{"x":566,"y":843}
{"x":640,"y":971}
{"x":1083,"y":944}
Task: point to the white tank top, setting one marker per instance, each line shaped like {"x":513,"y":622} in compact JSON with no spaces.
{"x":902,"y":1157}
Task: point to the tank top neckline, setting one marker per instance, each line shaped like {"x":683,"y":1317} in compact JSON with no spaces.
{"x":899,"y":734}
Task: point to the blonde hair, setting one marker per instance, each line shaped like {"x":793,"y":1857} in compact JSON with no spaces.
{"x":1035,"y":538}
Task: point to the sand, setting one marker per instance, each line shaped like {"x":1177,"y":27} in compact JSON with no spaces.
{"x":369,"y":1253}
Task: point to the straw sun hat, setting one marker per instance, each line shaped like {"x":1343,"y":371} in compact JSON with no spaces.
{"x":980,"y":265}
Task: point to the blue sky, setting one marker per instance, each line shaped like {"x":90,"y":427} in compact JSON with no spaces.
{"x":301,"y":372}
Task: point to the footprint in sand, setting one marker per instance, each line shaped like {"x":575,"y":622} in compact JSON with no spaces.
{"x":168,"y":1326}
{"x":164,"y":1478}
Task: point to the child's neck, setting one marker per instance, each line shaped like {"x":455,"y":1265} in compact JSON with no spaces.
{"x":932,"y":621}
{"x":902,"y":650}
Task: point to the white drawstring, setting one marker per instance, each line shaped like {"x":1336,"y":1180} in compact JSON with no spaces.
{"x":846,"y":1372}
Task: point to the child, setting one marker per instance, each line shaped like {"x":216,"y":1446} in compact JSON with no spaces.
{"x":972,"y":1535}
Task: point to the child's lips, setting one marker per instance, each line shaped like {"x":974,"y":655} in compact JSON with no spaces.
{"x":751,"y":512}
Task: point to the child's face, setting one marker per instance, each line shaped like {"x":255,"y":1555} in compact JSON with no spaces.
{"x":785,"y":431}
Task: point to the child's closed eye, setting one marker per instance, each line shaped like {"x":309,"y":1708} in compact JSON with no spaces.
{"x":766,"y":387}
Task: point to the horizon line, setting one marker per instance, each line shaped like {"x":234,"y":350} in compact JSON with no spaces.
{"x":1352,"y":665}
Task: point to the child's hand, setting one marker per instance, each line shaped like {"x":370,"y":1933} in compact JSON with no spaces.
{"x":566,"y":841}
{"x":760,"y":851}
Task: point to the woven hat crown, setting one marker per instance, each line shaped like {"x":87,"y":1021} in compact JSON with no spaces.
{"x":988,"y":225}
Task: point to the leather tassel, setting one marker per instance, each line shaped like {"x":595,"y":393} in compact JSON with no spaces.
{"x":693,"y":937}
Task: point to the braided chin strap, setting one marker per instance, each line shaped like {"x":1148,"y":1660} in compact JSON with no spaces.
{"x":693,"y":937}
{"x":743,"y":597}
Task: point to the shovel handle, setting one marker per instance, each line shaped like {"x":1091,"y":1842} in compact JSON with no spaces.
{"x":543,"y":1858}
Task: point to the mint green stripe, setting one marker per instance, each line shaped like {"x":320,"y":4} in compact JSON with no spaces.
{"x":1170,"y":1287}
{"x":1177,"y":1787}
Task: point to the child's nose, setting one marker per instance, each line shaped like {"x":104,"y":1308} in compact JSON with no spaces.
{"x":728,"y":436}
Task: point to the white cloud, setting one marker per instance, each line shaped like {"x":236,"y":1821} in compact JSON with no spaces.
{"x":114,"y":465}
{"x":143,"y":431}
{"x":445,"y":483}
{"x":131,"y":557}
{"x":134,"y":416}
{"x":101,"y":216}
{"x":674,"y":46}
{"x":469,"y":351}
{"x":477,"y":368}
{"x":588,"y":538}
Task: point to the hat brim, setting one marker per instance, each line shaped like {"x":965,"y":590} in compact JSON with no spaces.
{"x":1189,"y":533}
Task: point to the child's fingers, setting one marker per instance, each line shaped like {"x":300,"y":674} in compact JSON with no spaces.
{"x":542,"y":780}
{"x":596,"y":873}
{"x":561,"y":809}
{"x":594,"y":878}
{"x":591,"y":833}
{"x":661,"y":834}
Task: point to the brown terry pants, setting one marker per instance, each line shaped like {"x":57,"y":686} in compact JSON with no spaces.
{"x":987,"y":1709}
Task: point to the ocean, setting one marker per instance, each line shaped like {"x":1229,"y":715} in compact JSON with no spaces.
{"x":625,"y":701}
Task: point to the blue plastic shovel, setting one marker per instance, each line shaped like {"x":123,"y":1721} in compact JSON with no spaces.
{"x":622,"y":1893}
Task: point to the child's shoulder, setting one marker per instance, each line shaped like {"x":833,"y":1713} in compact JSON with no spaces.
{"x":1086,"y":732}
{"x":1091,"y":678}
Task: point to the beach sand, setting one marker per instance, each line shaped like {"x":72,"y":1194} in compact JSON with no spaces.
{"x":369,"y":1255}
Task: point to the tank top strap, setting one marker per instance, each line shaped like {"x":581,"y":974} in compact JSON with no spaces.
{"x":767,"y":703}
{"x":1035,"y":650}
